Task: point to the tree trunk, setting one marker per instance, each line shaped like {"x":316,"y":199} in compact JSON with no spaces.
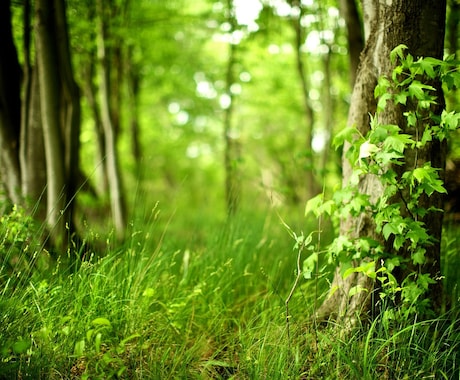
{"x":10,"y":107}
{"x":113,"y":170}
{"x":355,"y":37}
{"x":32,"y":150}
{"x":47,"y":63}
{"x":232,"y":180}
{"x":69,"y":111}
{"x":134,"y":79}
{"x":311,"y":185}
{"x":419,"y":24}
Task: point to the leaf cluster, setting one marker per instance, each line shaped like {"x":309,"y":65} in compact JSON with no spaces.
{"x":403,"y":239}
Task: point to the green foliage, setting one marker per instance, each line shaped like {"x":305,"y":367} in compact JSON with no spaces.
{"x":19,"y":247}
{"x":405,"y":238}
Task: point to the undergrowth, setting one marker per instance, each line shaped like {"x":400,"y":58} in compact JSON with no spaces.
{"x":213,"y":308}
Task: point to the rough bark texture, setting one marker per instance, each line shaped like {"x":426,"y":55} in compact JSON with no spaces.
{"x":419,"y":24}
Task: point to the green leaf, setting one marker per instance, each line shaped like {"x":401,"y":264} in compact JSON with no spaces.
{"x":356,"y":289}
{"x":101,"y":322}
{"x":382,"y":87}
{"x":79,"y":348}
{"x":345,"y":134}
{"x":382,"y":102}
{"x":398,"y":51}
{"x":401,"y":98}
{"x":427,"y":66}
{"x":313,"y":205}
{"x":21,"y":346}
{"x":417,"y":89}
{"x":398,"y":142}
{"x":411,"y":118}
{"x":389,"y":229}
{"x":418,"y":257}
{"x":309,"y":265}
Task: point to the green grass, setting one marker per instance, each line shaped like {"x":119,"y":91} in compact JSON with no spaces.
{"x":194,"y":299}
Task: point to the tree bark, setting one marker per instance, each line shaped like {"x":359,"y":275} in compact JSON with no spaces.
{"x":47,"y":63}
{"x":419,"y":24}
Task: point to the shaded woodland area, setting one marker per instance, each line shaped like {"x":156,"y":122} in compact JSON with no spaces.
{"x":229,"y":188}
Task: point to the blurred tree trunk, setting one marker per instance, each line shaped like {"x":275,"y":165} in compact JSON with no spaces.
{"x":420,"y":24}
{"x":453,"y":25}
{"x":232,"y":145}
{"x":311,"y":184}
{"x":60,"y":115}
{"x":349,"y":11}
{"x":32,"y":149}
{"x":110,"y":133}
{"x":10,"y":107}
{"x":133,"y":81}
{"x":89,"y":73}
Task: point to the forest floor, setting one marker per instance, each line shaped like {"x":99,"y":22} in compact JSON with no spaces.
{"x":195,"y":298}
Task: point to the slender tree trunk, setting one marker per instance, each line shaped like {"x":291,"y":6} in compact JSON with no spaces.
{"x":419,"y":24}
{"x":32,"y":152}
{"x":10,"y":107}
{"x":355,"y":37}
{"x":113,"y":170}
{"x":309,"y":114}
{"x":232,"y":180}
{"x":134,"y":78}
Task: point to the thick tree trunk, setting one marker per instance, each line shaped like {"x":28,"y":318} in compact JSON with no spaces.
{"x":10,"y":107}
{"x":419,"y":24}
{"x":60,"y":115}
{"x":69,"y":111}
{"x":47,"y":63}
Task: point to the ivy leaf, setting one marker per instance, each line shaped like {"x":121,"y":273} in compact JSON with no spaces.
{"x":313,"y":205}
{"x":388,"y":229}
{"x":417,"y":89}
{"x":418,"y":257}
{"x":398,"y":51}
{"x":411,"y":118}
{"x":398,"y":142}
{"x":382,"y":87}
{"x":309,"y":265}
{"x":401,"y":98}
{"x":345,"y":134}
{"x":381,"y":104}
{"x":427,"y":66}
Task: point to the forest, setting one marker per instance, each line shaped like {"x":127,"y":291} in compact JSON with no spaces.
{"x":229,"y":189}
